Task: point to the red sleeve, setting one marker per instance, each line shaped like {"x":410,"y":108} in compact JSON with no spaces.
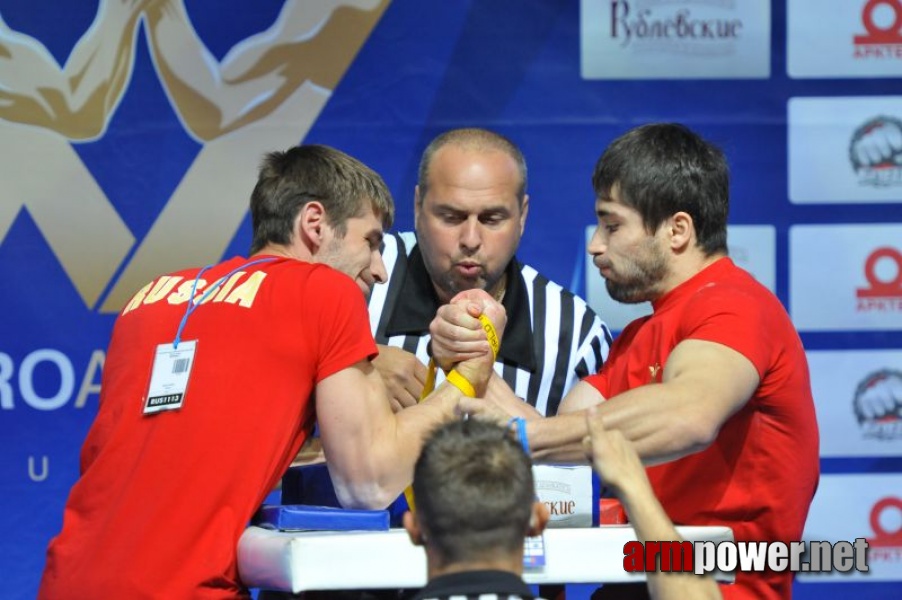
{"x":599,"y":382}
{"x":619,"y":349}
{"x":342,"y":322}
{"x":732,"y":317}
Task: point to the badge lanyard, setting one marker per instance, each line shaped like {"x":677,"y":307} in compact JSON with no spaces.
{"x":172,"y":362}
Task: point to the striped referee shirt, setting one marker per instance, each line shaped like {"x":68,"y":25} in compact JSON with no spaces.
{"x":552,"y":338}
{"x":476,"y":585}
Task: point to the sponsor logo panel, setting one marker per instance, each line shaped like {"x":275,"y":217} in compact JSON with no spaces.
{"x":674,"y":39}
{"x":847,"y":507}
{"x":844,"y":38}
{"x":845,"y":149}
{"x":858,"y":397}
{"x":566,"y":493}
{"x":845,"y":277}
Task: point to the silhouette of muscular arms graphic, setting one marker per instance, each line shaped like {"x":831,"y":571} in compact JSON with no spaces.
{"x":266,"y":93}
{"x":42,"y":107}
{"x":311,"y":42}
{"x":78,"y":99}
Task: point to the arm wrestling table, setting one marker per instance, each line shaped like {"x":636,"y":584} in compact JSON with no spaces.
{"x":330,"y":560}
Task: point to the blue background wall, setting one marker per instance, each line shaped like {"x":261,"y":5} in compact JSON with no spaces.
{"x":510,"y":65}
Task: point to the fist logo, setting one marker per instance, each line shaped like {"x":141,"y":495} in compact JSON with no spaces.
{"x":878,"y":404}
{"x":877,"y":144}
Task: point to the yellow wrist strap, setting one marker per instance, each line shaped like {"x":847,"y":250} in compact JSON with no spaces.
{"x":490,"y":334}
{"x":461,"y":383}
{"x":429,"y":384}
{"x":408,"y":495}
{"x":457,"y":380}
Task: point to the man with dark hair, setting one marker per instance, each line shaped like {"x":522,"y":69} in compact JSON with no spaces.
{"x":214,"y":378}
{"x":714,"y":384}
{"x":475,"y":504}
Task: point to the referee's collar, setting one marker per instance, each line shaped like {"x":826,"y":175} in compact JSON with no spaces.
{"x":476,"y":583}
{"x":418,"y":303}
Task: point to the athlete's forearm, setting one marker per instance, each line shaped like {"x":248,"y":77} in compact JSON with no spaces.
{"x":661,"y":424}
{"x":558,"y":439}
{"x":652,"y":524}
{"x":380,"y":474}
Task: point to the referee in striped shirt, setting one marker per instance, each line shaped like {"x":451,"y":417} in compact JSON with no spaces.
{"x":470,"y":211}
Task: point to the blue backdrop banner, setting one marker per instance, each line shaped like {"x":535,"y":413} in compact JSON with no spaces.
{"x":131,"y":132}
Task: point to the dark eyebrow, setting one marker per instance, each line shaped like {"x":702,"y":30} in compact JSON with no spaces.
{"x":446,"y":207}
{"x":498,"y":209}
{"x":495,"y":210}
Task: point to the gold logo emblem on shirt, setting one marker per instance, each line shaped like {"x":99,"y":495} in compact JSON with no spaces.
{"x":654,"y":371}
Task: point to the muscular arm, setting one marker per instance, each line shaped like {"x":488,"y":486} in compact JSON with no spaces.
{"x":704,"y":383}
{"x":77,"y":100}
{"x":370,"y":450}
{"x":313,"y":42}
{"x":499,"y":393}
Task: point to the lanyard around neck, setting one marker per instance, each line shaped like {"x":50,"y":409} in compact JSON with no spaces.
{"x":192,"y":305}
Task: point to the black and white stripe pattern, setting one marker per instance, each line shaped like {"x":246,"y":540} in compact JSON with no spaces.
{"x":569,"y":340}
{"x":482,"y":597}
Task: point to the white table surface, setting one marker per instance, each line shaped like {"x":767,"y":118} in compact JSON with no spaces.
{"x":328,"y":560}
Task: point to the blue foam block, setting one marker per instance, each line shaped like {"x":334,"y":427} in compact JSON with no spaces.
{"x":301,"y":517}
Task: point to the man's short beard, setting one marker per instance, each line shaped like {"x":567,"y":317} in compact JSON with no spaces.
{"x":642,"y":282}
{"x":633,"y":292}
{"x":332,"y":254}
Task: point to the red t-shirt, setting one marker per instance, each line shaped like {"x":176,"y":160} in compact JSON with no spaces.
{"x":163,"y":498}
{"x":760,"y":474}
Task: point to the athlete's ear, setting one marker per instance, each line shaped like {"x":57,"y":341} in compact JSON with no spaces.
{"x":682,"y":231}
{"x":309,"y":225}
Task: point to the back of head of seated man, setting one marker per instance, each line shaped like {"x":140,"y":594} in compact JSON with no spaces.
{"x":475,"y":504}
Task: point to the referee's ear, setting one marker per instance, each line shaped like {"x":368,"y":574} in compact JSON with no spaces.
{"x":537,"y":520}
{"x":524,"y":209}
